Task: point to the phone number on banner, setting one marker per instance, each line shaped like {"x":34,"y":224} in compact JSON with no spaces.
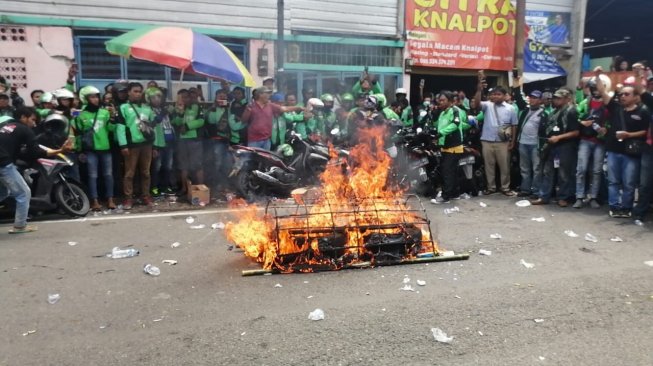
{"x":437,"y":62}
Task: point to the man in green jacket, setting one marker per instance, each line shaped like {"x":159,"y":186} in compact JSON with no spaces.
{"x":164,"y":145}
{"x":450,"y":126}
{"x":92,"y":127}
{"x":218,"y":122}
{"x":188,"y":119}
{"x":135,"y":136}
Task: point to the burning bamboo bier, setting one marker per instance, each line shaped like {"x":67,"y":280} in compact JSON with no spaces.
{"x":354,"y":220}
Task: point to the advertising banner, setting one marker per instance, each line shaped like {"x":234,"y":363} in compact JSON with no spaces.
{"x":462,"y":34}
{"x":539,"y":63}
{"x":549,"y":28}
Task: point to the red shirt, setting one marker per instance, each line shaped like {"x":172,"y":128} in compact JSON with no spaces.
{"x":259,"y":119}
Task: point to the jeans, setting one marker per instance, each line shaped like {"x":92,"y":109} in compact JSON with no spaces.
{"x":162,"y":167}
{"x":223,"y":162}
{"x":93,"y":159}
{"x":623,"y":175}
{"x":12,"y":184}
{"x":529,"y":165}
{"x":589,"y":151}
{"x":450,"y":175}
{"x":73,"y":171}
{"x":567,"y":155}
{"x":645,"y":183}
{"x":265,"y":144}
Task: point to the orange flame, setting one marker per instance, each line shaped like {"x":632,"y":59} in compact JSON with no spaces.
{"x":351,"y":200}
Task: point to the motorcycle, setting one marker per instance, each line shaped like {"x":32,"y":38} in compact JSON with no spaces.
{"x":417,"y":160}
{"x":297,"y":163}
{"x":52,"y":189}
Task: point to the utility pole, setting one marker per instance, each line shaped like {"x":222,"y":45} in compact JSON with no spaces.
{"x":520,"y":34}
{"x":280,"y":46}
{"x":578,"y":31}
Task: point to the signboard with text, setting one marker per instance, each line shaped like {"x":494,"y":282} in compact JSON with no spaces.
{"x":549,"y":28}
{"x":461,"y":34}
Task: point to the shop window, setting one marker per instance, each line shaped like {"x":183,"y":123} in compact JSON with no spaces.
{"x":95,"y":62}
{"x":342,"y":54}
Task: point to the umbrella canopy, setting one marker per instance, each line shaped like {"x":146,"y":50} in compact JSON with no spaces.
{"x":183,"y":49}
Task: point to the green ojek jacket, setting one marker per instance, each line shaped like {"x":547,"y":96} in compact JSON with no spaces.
{"x":329,"y":120}
{"x":450,"y":128}
{"x":128,"y":130}
{"x":407,"y":116}
{"x":214,"y":121}
{"x":295,"y":121}
{"x":376,"y":88}
{"x":101,"y":127}
{"x":192,"y":119}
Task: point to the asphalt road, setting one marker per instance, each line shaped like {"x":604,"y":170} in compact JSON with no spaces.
{"x":595,"y":300}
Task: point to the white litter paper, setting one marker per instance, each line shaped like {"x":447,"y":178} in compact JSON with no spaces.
{"x":495,"y":236}
{"x":523,"y":203}
{"x":407,"y":288}
{"x":571,"y":234}
{"x":526,"y":264}
{"x":421,"y":282}
{"x":317,"y":314}
{"x":484,"y":252}
{"x":538,"y":219}
{"x":441,"y":336}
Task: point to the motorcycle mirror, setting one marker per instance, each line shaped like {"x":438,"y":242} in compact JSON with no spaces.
{"x":335,"y":131}
{"x":419,"y":130}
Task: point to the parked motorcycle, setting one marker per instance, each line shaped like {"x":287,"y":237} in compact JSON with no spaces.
{"x":297,"y":163}
{"x":51,"y":189}
{"x":417,"y":160}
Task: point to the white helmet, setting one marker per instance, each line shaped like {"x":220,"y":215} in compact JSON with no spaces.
{"x":401,"y":91}
{"x":47,"y":98}
{"x":63,"y":94}
{"x":314,"y":103}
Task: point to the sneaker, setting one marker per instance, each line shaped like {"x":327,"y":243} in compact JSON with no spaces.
{"x":594,"y":204}
{"x":147,"y":201}
{"x":578,"y":203}
{"x":23,"y":230}
{"x":155,"y":192}
{"x":127,"y":204}
{"x":626,"y":214}
{"x":439,"y":201}
{"x":639,"y":222}
{"x":613,"y":213}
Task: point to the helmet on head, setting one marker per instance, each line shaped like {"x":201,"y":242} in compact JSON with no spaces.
{"x":120,"y":86}
{"x":63,"y":94}
{"x":314,"y":103}
{"x":151,"y":92}
{"x":87,"y":91}
{"x":326,"y":98}
{"x":55,"y":122}
{"x":371,"y":102}
{"x":277,"y":97}
{"x":347,"y":97}
{"x":401,"y":91}
{"x":381,"y":100}
{"x":46,"y":98}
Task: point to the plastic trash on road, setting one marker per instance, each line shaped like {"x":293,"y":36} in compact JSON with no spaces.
{"x":484,"y":252}
{"x":117,"y":253}
{"x":449,"y":211}
{"x":465,"y":196}
{"x":190,"y":220}
{"x":495,"y":236}
{"x":538,"y":219}
{"x":616,"y":239}
{"x":407,"y":288}
{"x":175,"y":244}
{"x":218,"y":226}
{"x":53,"y":298}
{"x":171,"y":262}
{"x":421,"y":283}
{"x":649,"y":263}
{"x":526,"y":264}
{"x":538,"y":320}
{"x":317,"y":314}
{"x":200,"y":226}
{"x":441,"y":336}
{"x":151,"y":270}
{"x":523,"y":203}
{"x":278,"y":285}
{"x":591,"y":238}
{"x":72,"y":243}
{"x":482,"y":204}
{"x":571,"y":234}
{"x":406,"y":279}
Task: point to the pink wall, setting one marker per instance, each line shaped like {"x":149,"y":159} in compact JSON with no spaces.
{"x":48,"y":53}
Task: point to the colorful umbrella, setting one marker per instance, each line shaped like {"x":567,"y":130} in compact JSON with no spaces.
{"x":183,"y":49}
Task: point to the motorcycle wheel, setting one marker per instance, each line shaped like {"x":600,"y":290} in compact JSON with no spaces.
{"x":73,"y":201}
{"x":246,"y":186}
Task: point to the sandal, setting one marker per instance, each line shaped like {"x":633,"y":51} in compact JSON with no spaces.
{"x":22,"y":230}
{"x":488,"y":192}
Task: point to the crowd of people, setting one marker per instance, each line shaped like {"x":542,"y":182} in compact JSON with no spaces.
{"x":128,"y":133}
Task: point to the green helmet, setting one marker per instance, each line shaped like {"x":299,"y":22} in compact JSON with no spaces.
{"x":87,"y":91}
{"x":285,"y":150}
{"x":46,"y":97}
{"x":327,"y":98}
{"x":382,"y":100}
{"x":151,"y":92}
{"x":347,"y":97}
